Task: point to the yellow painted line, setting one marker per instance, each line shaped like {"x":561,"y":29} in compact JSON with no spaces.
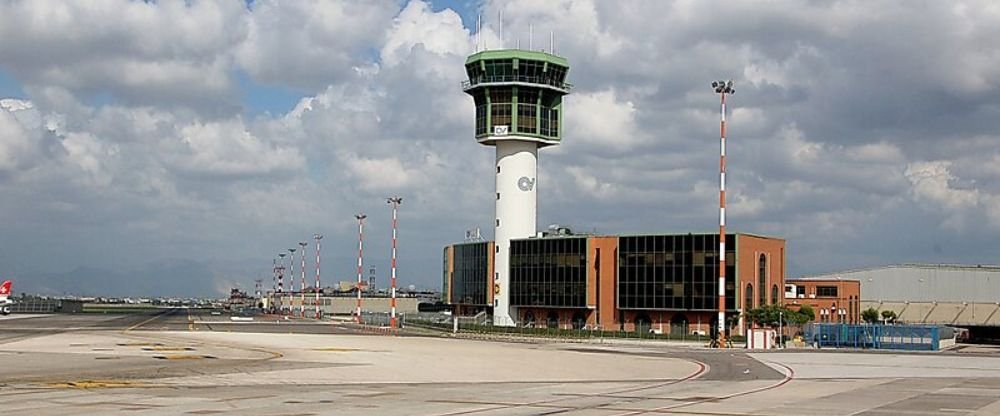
{"x":180,"y":357}
{"x":95,"y":384}
{"x":335,"y":349}
{"x":146,"y":321}
{"x":162,"y":348}
{"x":139,"y":344}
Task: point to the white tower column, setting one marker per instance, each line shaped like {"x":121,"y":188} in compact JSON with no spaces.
{"x":516,"y":208}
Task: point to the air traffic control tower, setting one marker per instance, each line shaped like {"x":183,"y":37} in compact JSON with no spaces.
{"x":518,"y":96}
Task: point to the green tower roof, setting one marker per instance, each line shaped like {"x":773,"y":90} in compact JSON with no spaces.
{"x":517,"y":54}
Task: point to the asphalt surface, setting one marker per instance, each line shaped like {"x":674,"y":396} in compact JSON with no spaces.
{"x":181,"y":361}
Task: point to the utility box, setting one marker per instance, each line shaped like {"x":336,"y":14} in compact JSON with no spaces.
{"x":762,"y":338}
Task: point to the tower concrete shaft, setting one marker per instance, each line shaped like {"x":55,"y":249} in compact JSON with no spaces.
{"x":516,"y":214}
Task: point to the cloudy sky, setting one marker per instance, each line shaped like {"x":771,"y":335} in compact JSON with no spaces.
{"x":175,"y":148}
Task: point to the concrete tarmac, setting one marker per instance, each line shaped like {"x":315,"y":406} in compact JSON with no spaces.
{"x":193,"y":362}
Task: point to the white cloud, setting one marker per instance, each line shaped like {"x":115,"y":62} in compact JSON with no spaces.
{"x":603,"y":120}
{"x":311,"y":44}
{"x":440,"y":33}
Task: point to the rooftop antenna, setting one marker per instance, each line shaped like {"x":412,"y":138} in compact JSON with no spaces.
{"x":530,"y":34}
{"x":552,"y":42}
{"x":479,"y":32}
{"x":500,"y":16}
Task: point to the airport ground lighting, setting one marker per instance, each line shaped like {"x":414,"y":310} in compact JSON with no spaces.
{"x":518,"y":98}
{"x":722,"y":88}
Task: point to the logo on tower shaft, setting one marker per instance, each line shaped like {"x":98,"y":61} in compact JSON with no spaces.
{"x":525,"y":184}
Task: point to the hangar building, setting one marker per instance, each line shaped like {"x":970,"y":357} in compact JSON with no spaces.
{"x":950,"y":294}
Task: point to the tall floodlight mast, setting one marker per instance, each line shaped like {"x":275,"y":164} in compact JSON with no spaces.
{"x":281,"y":278}
{"x":518,"y":97}
{"x":302,"y":284}
{"x":291,"y":281}
{"x":722,"y":88}
{"x":361,"y":242}
{"x":319,"y":288}
{"x":394,"y":201}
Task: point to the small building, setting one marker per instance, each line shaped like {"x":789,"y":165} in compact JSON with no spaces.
{"x":833,"y":300}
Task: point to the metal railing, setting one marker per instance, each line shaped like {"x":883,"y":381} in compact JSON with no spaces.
{"x":499,"y":79}
{"x":893,"y":337}
{"x":559,"y":330}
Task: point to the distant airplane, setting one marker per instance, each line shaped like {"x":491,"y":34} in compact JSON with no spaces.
{"x":5,"y":301}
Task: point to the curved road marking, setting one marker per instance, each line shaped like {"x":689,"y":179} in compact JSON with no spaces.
{"x":702,"y":369}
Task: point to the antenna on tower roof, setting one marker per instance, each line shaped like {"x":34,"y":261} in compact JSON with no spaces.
{"x":479,"y":32}
{"x":552,"y":42}
{"x":530,"y":35}
{"x":500,"y":17}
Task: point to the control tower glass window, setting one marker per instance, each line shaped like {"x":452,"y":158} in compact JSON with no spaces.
{"x":499,"y":70}
{"x":527,"y":111}
{"x":482,"y":108}
{"x":501,"y":102}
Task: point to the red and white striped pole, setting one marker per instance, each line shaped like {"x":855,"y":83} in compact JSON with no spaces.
{"x":274,"y":283}
{"x":302,"y":286}
{"x":722,"y":88}
{"x":281,"y":281}
{"x":395,"y":201}
{"x":319,"y":289}
{"x":361,"y":240}
{"x":291,"y":281}
{"x":281,"y":274}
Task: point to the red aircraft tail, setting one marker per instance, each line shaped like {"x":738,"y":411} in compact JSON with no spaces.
{"x":5,"y":288}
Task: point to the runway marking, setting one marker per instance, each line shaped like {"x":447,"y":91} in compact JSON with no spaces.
{"x":95,"y":384}
{"x":163,"y":348}
{"x":181,"y":357}
{"x":147,"y":321}
{"x":335,"y":349}
{"x":548,"y":403}
{"x":788,"y":377}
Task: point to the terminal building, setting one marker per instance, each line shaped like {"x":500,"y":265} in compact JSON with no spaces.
{"x":659,"y":282}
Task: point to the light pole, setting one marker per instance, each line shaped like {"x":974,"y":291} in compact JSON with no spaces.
{"x":317,"y":237}
{"x":291,"y":281}
{"x":394,"y":201}
{"x":302,"y":285}
{"x":281,"y":278}
{"x":722,"y":88}
{"x":361,"y":240}
{"x":781,"y":336}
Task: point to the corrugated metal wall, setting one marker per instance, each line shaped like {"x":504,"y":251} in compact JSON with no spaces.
{"x":931,"y":283}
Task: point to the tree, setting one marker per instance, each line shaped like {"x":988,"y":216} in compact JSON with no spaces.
{"x":869,"y":315}
{"x":769,"y":315}
{"x":889,"y":316}
{"x":807,"y":312}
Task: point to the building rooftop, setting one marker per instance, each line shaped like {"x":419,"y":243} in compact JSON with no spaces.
{"x":928,"y":266}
